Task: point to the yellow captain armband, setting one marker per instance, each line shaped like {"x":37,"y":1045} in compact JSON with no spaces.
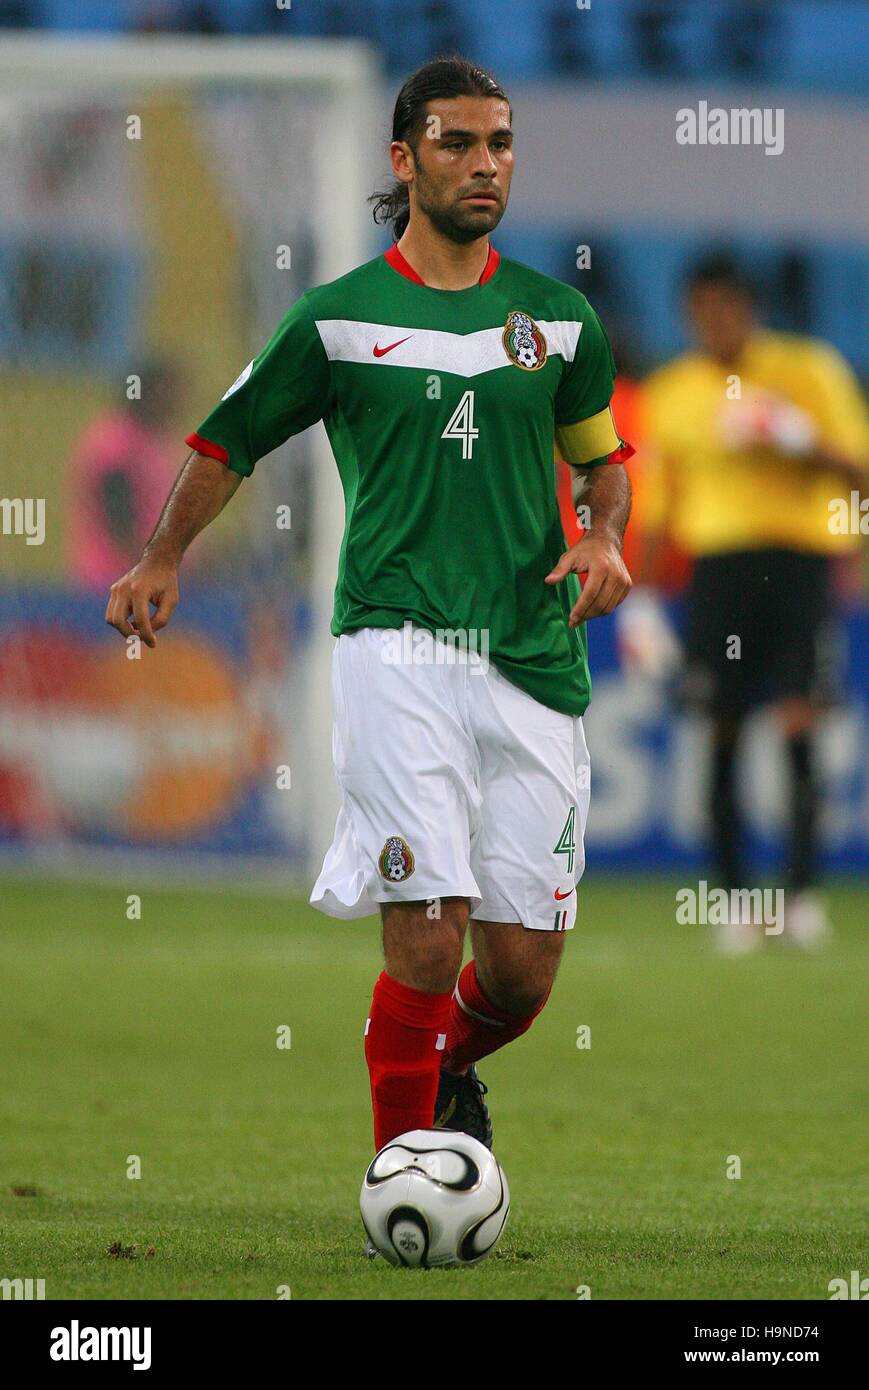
{"x":593,"y":440}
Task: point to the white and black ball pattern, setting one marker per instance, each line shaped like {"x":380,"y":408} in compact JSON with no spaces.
{"x":526,"y":355}
{"x":433,"y":1198}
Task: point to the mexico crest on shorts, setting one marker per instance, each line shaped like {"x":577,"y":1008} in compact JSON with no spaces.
{"x":396,"y":862}
{"x":523,"y":342}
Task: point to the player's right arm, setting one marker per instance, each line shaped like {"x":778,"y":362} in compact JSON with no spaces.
{"x":201,"y":491}
{"x":281,"y":392}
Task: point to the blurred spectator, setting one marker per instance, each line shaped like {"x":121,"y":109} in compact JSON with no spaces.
{"x":119,"y":475}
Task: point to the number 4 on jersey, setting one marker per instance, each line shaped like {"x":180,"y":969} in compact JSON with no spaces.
{"x":461,"y":425}
{"x":567,"y":839}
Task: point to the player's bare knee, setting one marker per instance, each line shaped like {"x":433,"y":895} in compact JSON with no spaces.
{"x":520,"y":980}
{"x":424,"y":950}
{"x":425,"y":960}
{"x":517,"y":993}
{"x":519,"y":997}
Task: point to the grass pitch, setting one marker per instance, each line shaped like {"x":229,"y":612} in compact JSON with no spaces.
{"x":157,"y":1039}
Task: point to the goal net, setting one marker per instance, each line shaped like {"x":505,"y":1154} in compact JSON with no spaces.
{"x":164,"y":201}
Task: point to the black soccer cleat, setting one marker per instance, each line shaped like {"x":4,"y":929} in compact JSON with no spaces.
{"x":460,"y":1105}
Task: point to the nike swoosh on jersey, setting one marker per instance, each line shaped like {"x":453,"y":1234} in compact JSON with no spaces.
{"x":559,"y":897}
{"x":381,"y":352}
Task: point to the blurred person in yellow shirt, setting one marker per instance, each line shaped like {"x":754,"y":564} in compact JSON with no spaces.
{"x":758,"y":445}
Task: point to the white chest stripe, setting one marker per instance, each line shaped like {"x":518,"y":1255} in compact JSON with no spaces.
{"x":465,"y":354}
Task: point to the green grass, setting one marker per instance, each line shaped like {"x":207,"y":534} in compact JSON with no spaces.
{"x":157,"y":1038}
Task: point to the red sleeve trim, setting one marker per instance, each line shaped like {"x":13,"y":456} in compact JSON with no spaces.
{"x":205,"y":446}
{"x":622,"y":455}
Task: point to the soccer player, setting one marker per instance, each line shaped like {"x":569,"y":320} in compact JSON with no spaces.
{"x":755,"y":435}
{"x":442,"y":372}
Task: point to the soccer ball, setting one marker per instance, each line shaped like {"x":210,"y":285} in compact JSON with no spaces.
{"x":527,"y":355}
{"x":434,"y":1197}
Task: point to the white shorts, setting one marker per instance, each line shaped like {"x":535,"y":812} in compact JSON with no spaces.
{"x":454,"y":783}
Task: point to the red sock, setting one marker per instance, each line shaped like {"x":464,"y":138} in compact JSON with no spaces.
{"x":404,"y":1042}
{"x":477,"y":1027}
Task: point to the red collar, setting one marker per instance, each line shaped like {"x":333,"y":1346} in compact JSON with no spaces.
{"x":394,"y":258}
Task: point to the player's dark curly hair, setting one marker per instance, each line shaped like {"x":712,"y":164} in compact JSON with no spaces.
{"x":453,"y":76}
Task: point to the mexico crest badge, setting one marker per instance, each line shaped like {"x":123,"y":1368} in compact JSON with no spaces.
{"x":396,"y":862}
{"x":523,"y":342}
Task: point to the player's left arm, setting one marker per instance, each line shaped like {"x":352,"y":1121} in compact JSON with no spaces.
{"x":587,"y":439}
{"x":605,"y":490}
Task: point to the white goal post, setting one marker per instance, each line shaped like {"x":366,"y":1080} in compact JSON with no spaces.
{"x":342,"y":78}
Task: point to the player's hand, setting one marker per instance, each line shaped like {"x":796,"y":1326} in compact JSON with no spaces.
{"x":130,"y":596}
{"x":607,"y":581}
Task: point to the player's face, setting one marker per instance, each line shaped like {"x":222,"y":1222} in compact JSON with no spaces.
{"x":720,"y":319}
{"x":460,"y":177}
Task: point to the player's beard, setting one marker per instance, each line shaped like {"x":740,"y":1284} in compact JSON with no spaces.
{"x":456,"y":220}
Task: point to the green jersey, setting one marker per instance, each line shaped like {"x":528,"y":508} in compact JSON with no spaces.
{"x":442,"y":408}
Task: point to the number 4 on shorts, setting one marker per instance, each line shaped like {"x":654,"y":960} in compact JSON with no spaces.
{"x":567,"y":839}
